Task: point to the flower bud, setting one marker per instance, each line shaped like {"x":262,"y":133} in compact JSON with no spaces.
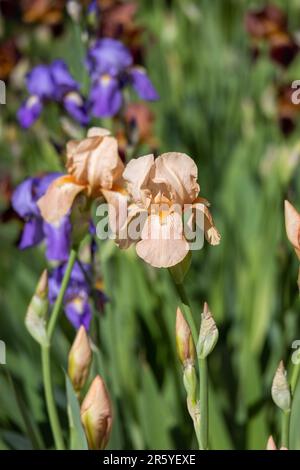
{"x":36,"y":316}
{"x":96,"y":415}
{"x":292,"y":226}
{"x":184,"y":340}
{"x":272,"y":446}
{"x":280,"y":389}
{"x":190,"y":383}
{"x":80,"y":357}
{"x":209,"y":333}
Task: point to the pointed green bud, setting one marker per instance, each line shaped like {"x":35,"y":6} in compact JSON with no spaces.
{"x":190,"y":382}
{"x":80,"y":358}
{"x":36,"y":316}
{"x":180,"y":270}
{"x":184,"y":340}
{"x":96,"y":415}
{"x":280,"y":389}
{"x":209,"y":333}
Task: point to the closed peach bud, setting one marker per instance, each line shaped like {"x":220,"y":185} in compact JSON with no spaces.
{"x":80,"y":357}
{"x":96,"y":415}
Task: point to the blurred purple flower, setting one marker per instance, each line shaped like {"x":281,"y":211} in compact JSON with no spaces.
{"x":110,"y":65}
{"x":76,"y":301}
{"x":24,"y":202}
{"x":52,"y":83}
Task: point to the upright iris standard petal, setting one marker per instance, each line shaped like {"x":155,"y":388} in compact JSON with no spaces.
{"x":32,"y":233}
{"x":40,"y":82}
{"x":76,"y":107}
{"x":29,"y":111}
{"x":142,"y":84}
{"x":106,"y":97}
{"x":58,"y":239}
{"x":63,"y":80}
{"x":108,"y":56}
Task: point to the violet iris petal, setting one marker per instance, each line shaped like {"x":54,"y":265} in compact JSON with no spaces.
{"x":76,"y":107}
{"x":63,"y":80}
{"x":142,"y":84}
{"x":32,"y":233}
{"x":76,"y":300}
{"x":79,"y":312}
{"x":40,"y":82}
{"x":106,"y":97}
{"x":108,"y":56}
{"x":24,"y":202}
{"x":24,"y":198}
{"x":58,"y":239}
{"x":29,"y":111}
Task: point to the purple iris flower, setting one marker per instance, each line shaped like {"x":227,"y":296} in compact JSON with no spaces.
{"x":24,"y":202}
{"x":111,"y":68}
{"x":76,"y":300}
{"x":52,"y":83}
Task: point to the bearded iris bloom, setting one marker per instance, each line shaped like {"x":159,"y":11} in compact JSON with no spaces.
{"x":94,"y":168}
{"x":77,"y":303}
{"x":111,"y":68}
{"x":52,"y":83}
{"x":24,"y":202}
{"x":160,"y":191}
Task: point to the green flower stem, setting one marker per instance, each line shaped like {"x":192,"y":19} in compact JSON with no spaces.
{"x":203,"y":403}
{"x":47,"y":379}
{"x":51,"y":407}
{"x":60,"y":297}
{"x":285,"y":428}
{"x":286,"y":415}
{"x":295,"y":377}
{"x":202,"y":367}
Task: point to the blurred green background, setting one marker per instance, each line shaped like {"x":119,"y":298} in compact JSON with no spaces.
{"x":216,"y":105}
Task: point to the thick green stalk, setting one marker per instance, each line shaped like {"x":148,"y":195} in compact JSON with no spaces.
{"x":203,"y":403}
{"x":47,"y":379}
{"x":202,"y":367}
{"x":60,"y":297}
{"x":51,"y":407}
{"x":295,"y":377}
{"x":285,"y":428}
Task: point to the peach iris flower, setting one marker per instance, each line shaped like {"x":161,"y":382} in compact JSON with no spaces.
{"x":157,"y":188}
{"x":292,"y":226}
{"x":94,"y":167}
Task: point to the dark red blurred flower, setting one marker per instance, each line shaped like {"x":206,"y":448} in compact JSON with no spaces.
{"x":283,"y":48}
{"x":8,"y":58}
{"x":287,"y":110}
{"x":269,"y":24}
{"x":140,"y":117}
{"x":265,"y":21}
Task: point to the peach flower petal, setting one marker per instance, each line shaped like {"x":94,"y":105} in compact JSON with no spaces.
{"x":95,"y":161}
{"x":137,"y":175}
{"x":59,"y":198}
{"x":292,"y":225}
{"x":179,"y":173}
{"x":163,"y":244}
